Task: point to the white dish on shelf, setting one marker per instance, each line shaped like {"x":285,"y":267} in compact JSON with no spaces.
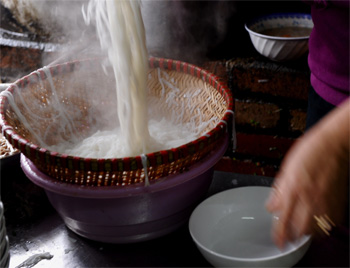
{"x":280,"y":48}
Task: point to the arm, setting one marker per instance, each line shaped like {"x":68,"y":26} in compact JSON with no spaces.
{"x":313,"y":179}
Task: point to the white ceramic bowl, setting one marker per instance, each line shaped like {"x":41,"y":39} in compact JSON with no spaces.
{"x":4,"y":241}
{"x":233,"y":229}
{"x":279,"y":48}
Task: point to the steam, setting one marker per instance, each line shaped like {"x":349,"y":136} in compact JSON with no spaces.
{"x":172,"y":31}
{"x":183,"y":30}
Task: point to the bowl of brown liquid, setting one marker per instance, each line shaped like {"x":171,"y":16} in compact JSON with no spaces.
{"x":281,"y":37}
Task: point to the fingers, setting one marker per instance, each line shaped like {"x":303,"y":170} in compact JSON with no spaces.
{"x":293,"y":215}
{"x":273,"y":200}
{"x":300,"y":221}
{"x":283,"y":230}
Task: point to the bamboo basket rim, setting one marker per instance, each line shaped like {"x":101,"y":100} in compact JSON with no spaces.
{"x":31,"y":149}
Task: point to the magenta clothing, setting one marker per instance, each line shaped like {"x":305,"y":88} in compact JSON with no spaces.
{"x":329,"y":49}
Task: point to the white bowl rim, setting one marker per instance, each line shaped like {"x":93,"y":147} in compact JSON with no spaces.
{"x":306,"y":238}
{"x":274,"y":15}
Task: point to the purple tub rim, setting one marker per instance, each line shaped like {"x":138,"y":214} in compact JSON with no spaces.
{"x":105,"y":192}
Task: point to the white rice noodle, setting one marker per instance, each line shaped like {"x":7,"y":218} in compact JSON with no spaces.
{"x":121,"y":33}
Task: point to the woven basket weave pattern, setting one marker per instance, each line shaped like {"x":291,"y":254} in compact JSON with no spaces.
{"x":214,"y":102}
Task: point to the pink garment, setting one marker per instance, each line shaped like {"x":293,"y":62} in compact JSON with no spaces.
{"x":329,"y":49}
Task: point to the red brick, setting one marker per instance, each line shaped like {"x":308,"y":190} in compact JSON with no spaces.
{"x":263,"y":145}
{"x":261,"y":115}
{"x":268,"y":78}
{"x":298,"y":120}
{"x":20,"y":58}
{"x":218,"y":68}
{"x":227,"y":164}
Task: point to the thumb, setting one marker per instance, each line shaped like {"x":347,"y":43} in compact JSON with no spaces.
{"x":271,"y":203}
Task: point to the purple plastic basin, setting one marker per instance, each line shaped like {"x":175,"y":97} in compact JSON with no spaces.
{"x":132,"y":213}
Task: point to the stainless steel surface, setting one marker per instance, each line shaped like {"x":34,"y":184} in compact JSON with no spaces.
{"x":22,"y":40}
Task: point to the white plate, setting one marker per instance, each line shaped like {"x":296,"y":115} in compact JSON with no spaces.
{"x":1,"y":209}
{"x":2,"y":232}
{"x":233,"y":228}
{"x":4,"y":259}
{"x":4,"y":246}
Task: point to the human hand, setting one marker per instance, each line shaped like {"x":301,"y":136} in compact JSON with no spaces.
{"x":313,"y":180}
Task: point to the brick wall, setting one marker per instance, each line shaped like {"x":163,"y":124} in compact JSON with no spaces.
{"x":17,"y":62}
{"x":270,"y":108}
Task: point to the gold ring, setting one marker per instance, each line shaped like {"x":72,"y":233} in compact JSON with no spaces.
{"x":325,"y":223}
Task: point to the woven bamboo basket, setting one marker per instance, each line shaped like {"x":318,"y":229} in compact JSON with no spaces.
{"x":214,"y":102}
